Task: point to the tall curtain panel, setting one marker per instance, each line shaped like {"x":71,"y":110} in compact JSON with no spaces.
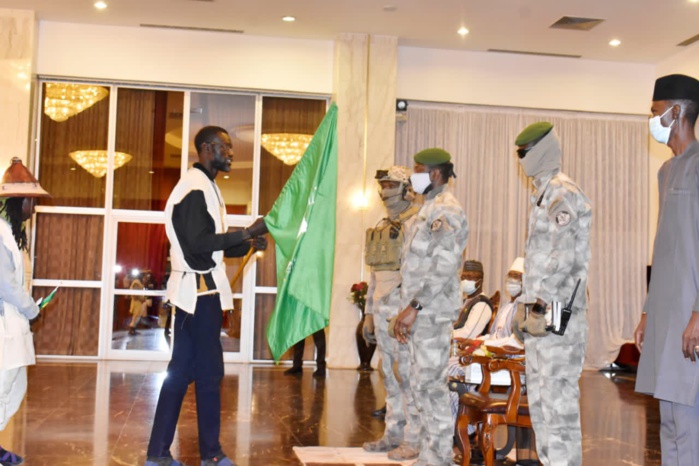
{"x":607,"y":155}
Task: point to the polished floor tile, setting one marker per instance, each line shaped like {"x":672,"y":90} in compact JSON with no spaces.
{"x":101,"y":413}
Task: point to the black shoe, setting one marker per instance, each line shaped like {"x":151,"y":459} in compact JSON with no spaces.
{"x":294,"y":371}
{"x":133,"y":331}
{"x":320,"y":372}
{"x":381,"y":412}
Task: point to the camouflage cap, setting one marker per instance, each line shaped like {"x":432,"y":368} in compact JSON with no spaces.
{"x":533,"y":132}
{"x":395,"y":173}
{"x":432,"y":156}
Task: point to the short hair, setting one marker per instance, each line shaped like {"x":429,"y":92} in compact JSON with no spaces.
{"x":206,"y":135}
{"x":691,"y":109}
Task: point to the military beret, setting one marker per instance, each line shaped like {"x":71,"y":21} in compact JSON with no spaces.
{"x":533,"y":132}
{"x":676,"y":87}
{"x":433,"y":156}
{"x":473,"y":266}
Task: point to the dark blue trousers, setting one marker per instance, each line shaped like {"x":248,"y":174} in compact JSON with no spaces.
{"x":197,"y":357}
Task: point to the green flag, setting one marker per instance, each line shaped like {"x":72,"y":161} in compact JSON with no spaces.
{"x":302,"y":223}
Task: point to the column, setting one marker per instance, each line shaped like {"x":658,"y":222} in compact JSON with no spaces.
{"x":17,"y":41}
{"x":365,"y":92}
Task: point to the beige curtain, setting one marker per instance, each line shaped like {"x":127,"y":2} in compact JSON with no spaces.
{"x":608,"y":157}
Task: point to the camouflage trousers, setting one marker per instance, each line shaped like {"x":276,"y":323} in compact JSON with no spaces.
{"x":554,"y":364}
{"x":429,"y":355}
{"x":402,"y":421}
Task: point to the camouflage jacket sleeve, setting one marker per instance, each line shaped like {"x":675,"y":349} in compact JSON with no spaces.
{"x":435,"y":251}
{"x":369,"y":306}
{"x":559,"y":249}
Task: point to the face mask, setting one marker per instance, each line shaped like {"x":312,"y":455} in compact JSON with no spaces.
{"x":390,"y":192}
{"x":468,"y":286}
{"x":513,"y":288}
{"x":545,"y":156}
{"x":659,"y":132}
{"x":420,"y":182}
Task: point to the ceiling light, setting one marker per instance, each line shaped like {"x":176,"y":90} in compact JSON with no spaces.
{"x":64,"y":100}
{"x":95,"y":161}
{"x":462,"y":31}
{"x":287,"y":147}
{"x":693,"y":1}
{"x":615,"y":42}
{"x":289,"y":19}
{"x":100,"y":5}
{"x":389,"y":8}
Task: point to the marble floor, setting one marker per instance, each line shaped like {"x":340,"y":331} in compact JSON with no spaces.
{"x":100,"y":414}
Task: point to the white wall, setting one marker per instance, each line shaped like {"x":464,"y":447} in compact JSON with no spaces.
{"x":184,"y":57}
{"x":512,"y":80}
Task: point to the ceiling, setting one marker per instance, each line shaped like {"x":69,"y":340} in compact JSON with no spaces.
{"x":649,"y":30}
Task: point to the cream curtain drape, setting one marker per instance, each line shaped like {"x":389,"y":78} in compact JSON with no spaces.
{"x":607,"y":155}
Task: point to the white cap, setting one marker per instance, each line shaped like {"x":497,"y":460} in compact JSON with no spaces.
{"x":518,"y":265}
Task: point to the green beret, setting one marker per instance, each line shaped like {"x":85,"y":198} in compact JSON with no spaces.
{"x":533,"y":132}
{"x":433,"y":156}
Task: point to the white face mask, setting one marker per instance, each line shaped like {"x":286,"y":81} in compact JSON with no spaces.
{"x":468,"y":286}
{"x":659,"y":132}
{"x":513,"y":288}
{"x":420,"y":182}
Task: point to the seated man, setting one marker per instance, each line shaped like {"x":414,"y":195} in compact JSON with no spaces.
{"x":477,"y":309}
{"x":500,"y":334}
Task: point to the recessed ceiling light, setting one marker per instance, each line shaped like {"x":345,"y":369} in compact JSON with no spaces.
{"x":390,"y":8}
{"x":693,"y":1}
{"x":289,"y":19}
{"x":615,"y":42}
{"x":462,"y":31}
{"x":100,"y":5}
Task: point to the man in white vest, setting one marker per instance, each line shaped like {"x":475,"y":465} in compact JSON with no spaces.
{"x":20,"y":190}
{"x":199,"y":290}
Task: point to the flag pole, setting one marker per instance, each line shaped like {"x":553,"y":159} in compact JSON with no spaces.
{"x":246,"y":259}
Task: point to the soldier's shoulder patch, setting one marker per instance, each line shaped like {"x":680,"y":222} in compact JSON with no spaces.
{"x":437,"y":225}
{"x":562,"y":218}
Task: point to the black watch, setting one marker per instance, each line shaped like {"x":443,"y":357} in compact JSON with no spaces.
{"x":416,"y":305}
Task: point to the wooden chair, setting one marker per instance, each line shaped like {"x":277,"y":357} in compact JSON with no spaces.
{"x":487,"y":410}
{"x":495,"y":301}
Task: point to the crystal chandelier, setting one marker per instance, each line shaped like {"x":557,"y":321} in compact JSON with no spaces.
{"x":95,"y":161}
{"x":287,"y":147}
{"x":63,"y":100}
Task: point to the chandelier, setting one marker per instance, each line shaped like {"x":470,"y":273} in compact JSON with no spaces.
{"x":287,"y":147}
{"x":95,"y":161}
{"x":63,"y":100}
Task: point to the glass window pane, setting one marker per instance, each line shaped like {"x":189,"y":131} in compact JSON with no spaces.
{"x":141,"y":248}
{"x":235,"y":114}
{"x":149,"y":130}
{"x":61,"y":174}
{"x":70,"y":323}
{"x":281,"y":115}
{"x":68,"y":247}
{"x":230,"y":330}
{"x":140,"y":322}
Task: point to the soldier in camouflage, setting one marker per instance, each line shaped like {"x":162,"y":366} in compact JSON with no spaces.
{"x":401,"y":434}
{"x":557,"y":255}
{"x":431,"y":300}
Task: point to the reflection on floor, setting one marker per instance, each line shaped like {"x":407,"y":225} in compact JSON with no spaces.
{"x":155,"y":339}
{"x":100,"y":414}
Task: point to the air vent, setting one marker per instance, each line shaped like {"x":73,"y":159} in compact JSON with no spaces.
{"x":576,"y":24}
{"x":541,"y":54}
{"x":190,"y":28}
{"x":689,"y":41}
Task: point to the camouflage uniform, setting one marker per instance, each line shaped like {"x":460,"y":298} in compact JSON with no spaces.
{"x":557,"y":254}
{"x":402,"y":422}
{"x":431,"y":262}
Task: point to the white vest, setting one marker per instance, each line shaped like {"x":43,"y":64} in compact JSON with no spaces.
{"x":182,"y":285}
{"x":16,"y":340}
